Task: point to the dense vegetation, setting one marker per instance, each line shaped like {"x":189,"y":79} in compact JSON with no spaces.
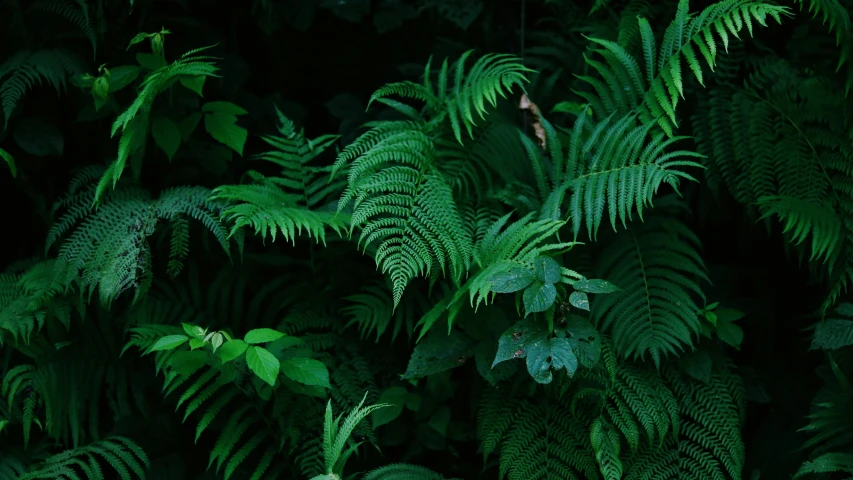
{"x":427,"y":239}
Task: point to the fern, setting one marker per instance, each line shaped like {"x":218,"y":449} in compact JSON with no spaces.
{"x":77,"y":12}
{"x":23,"y":70}
{"x":289,"y":203}
{"x":123,"y":455}
{"x":404,"y":205}
{"x":654,"y":91}
{"x":109,"y":251}
{"x":658,"y":269}
{"x":486,"y":80}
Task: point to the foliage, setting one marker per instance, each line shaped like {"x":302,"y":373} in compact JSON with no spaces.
{"x":548,"y":233}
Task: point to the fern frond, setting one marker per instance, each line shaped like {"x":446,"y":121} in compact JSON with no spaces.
{"x":122,"y":454}
{"x":23,"y":70}
{"x":292,"y":201}
{"x":658,"y":269}
{"x":76,"y":12}
{"x":487,"y":79}
{"x":656,"y":93}
{"x":109,"y":250}
{"x":405,"y":206}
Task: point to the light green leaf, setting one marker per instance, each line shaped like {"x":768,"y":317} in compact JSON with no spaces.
{"x":169,"y":342}
{"x":539,"y":297}
{"x":262,"y":335}
{"x":263,"y":364}
{"x":396,"y":398}
{"x":193,"y":82}
{"x":193,"y":330}
{"x":547,"y":270}
{"x":223,"y":127}
{"x":9,"y":161}
{"x":511,"y":280}
{"x":232,"y":350}
{"x":223,"y":107}
{"x":166,"y":135}
{"x":306,"y":371}
{"x":579,"y":300}
{"x":196,"y":343}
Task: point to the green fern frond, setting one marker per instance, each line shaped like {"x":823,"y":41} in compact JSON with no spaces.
{"x":405,"y":206}
{"x":23,"y":70}
{"x":402,"y":471}
{"x":77,"y":12}
{"x":485,"y":81}
{"x":619,"y":168}
{"x":546,"y":441}
{"x":109,"y":251}
{"x":802,"y":219}
{"x":122,"y":454}
{"x":654,"y":91}
{"x":827,"y":463}
{"x":831,"y":12}
{"x":658,"y":268}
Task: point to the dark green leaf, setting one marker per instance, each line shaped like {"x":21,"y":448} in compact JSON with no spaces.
{"x":511,"y":280}
{"x":579,"y":300}
{"x":595,"y":286}
{"x":188,"y":362}
{"x":396,"y":398}
{"x":223,"y":107}
{"x":166,"y":135}
{"x":223,"y":127}
{"x":547,"y":270}
{"x":539,"y":297}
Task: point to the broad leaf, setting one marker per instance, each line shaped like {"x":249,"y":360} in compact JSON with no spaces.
{"x":306,"y":371}
{"x":169,"y":342}
{"x":539,"y":297}
{"x":263,"y":364}
{"x":166,"y":135}
{"x":547,"y":270}
{"x":223,"y":127}
{"x":232,"y":350}
{"x":511,"y":280}
{"x":262,"y":335}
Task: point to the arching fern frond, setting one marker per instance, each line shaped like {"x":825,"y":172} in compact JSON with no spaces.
{"x":289,"y":203}
{"x":658,"y":268}
{"x":109,"y":249}
{"x":654,"y":91}
{"x":405,"y":205}
{"x":23,"y":70}
{"x":619,"y":167}
{"x":122,"y":454}
{"x":487,"y":79}
{"x":77,"y":12}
